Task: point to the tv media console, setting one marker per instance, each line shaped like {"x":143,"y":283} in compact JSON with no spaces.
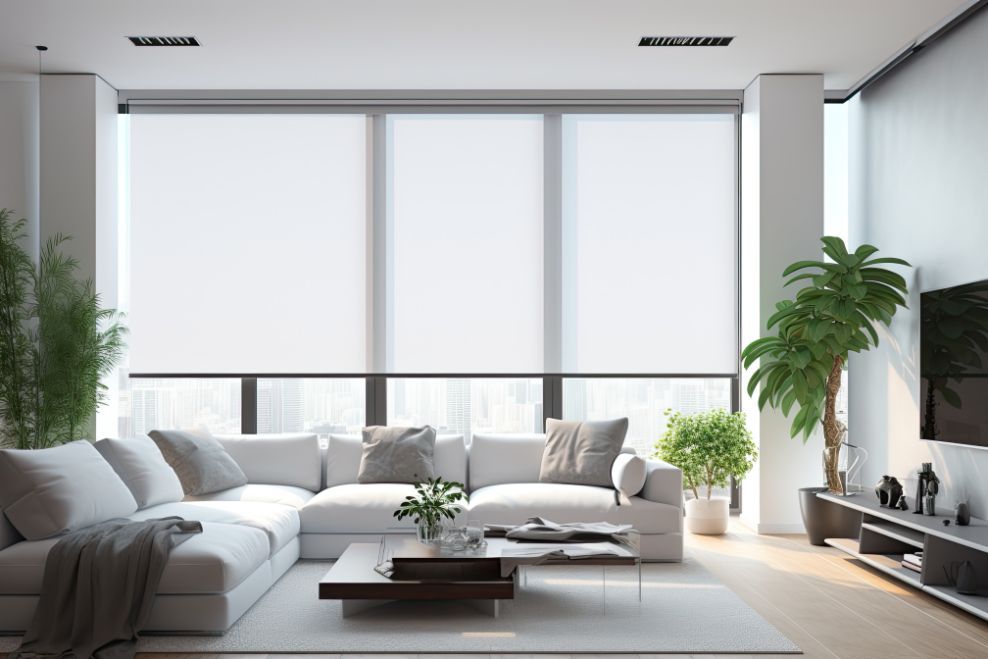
{"x":880,"y":536}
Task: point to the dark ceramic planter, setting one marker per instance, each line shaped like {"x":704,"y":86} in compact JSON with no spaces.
{"x":824,"y":519}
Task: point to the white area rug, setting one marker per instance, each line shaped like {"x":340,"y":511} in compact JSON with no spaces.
{"x":684,"y":609}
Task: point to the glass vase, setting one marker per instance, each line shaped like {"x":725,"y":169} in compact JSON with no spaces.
{"x":850,"y":459}
{"x":429,"y":534}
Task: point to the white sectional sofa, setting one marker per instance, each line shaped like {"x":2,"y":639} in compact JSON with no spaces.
{"x":303,"y":501}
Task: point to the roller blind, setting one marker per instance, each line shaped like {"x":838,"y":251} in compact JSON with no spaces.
{"x":465,"y":228}
{"x":247,"y":243}
{"x":649,"y":244}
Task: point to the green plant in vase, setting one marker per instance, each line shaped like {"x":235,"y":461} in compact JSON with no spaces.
{"x":436,"y":500}
{"x":799,"y":368}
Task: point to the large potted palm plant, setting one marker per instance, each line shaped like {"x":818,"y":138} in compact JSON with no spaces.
{"x":798,"y":368}
{"x":56,"y":343}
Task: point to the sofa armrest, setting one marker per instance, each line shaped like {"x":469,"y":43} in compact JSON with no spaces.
{"x":663,"y":483}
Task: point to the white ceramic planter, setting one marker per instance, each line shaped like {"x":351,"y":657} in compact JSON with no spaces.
{"x":707,"y":516}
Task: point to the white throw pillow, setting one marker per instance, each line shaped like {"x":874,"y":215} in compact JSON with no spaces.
{"x":143,"y":469}
{"x":61,"y":489}
{"x":628,"y":474}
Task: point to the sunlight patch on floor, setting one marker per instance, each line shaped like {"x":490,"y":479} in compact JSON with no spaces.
{"x":651,"y":585}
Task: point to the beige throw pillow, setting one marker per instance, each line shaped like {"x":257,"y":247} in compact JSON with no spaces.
{"x":393,"y":454}
{"x":581,"y":453}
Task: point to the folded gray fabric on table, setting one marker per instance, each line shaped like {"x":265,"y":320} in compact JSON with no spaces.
{"x":98,"y":588}
{"x":542,"y":530}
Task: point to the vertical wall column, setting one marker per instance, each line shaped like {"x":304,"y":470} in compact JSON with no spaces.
{"x":78,"y":188}
{"x":19,"y":146}
{"x":781,"y":222}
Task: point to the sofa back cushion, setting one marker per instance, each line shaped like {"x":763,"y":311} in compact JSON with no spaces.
{"x":143,"y":469}
{"x":55,"y":490}
{"x":449,"y":459}
{"x":498,"y":459}
{"x":277,"y":459}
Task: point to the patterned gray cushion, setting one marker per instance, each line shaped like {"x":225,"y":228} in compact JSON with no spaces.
{"x":581,"y":453}
{"x":392,"y":454}
{"x":201,"y":462}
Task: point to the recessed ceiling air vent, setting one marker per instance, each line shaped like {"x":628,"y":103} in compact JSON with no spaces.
{"x":164,"y":41}
{"x":685,"y":41}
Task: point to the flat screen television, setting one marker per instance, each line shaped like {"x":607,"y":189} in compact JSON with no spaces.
{"x":953,"y":364}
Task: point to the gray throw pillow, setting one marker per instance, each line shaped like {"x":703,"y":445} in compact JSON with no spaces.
{"x":397,"y":455}
{"x":581,"y":453}
{"x":201,"y":463}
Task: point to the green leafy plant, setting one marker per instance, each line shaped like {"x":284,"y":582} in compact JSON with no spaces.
{"x":436,"y":499}
{"x":954,"y":325}
{"x":708,"y":447}
{"x":56,"y":343}
{"x":799,"y":368}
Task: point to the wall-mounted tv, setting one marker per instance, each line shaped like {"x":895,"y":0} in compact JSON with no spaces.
{"x":953,"y":364}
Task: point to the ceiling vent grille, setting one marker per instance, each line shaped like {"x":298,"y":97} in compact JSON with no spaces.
{"x":685,"y":41}
{"x":164,"y":41}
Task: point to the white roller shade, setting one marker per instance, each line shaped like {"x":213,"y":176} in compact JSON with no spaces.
{"x":248,"y":243}
{"x":649,"y":244}
{"x":465,"y":218}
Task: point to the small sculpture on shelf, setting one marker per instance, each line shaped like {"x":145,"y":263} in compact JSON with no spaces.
{"x":903,"y":504}
{"x":926,"y":490}
{"x":962,"y":514}
{"x":889,"y":491}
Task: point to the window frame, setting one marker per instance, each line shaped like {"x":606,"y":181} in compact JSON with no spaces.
{"x":376,"y":111}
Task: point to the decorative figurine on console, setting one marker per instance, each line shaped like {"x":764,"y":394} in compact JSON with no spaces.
{"x":889,"y":492}
{"x":926,"y":490}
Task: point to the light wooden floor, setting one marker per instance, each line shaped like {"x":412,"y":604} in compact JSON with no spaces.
{"x":828,"y":604}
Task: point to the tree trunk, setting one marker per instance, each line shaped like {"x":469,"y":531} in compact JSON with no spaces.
{"x":833,"y":429}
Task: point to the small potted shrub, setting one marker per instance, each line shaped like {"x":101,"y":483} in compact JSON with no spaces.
{"x":709,"y":448}
{"x":435,"y":500}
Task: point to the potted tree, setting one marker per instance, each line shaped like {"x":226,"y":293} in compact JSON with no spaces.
{"x":799,"y":367}
{"x":709,"y":448}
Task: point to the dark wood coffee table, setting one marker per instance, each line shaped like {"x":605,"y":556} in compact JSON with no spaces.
{"x":426,"y":572}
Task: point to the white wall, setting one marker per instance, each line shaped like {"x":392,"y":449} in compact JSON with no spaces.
{"x":781,"y":222}
{"x":78,"y":187}
{"x":919,"y":190}
{"x":19,"y":149}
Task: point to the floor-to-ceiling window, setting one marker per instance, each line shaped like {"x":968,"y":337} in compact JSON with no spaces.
{"x":478,"y":271}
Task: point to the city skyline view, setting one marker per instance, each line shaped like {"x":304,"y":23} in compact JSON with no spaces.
{"x":453,"y":406}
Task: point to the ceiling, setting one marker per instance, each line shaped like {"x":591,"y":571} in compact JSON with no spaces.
{"x":461,"y":44}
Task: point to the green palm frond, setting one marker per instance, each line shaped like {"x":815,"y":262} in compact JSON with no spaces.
{"x":834,"y":314}
{"x":58,"y":343}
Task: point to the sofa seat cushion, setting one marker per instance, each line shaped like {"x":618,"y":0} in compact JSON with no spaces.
{"x":286,"y":495}
{"x":214,"y":561}
{"x":356,"y":508}
{"x":280,"y":523}
{"x":515,"y":503}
